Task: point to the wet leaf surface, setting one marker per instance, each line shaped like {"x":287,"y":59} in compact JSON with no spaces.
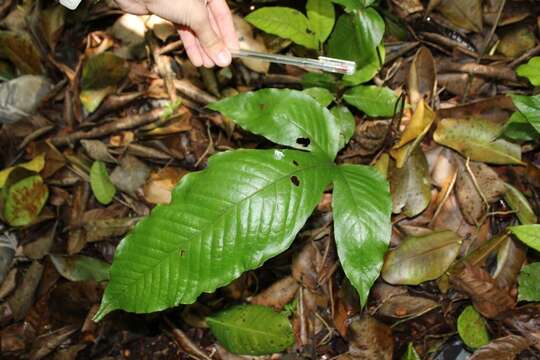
{"x":420,"y":259}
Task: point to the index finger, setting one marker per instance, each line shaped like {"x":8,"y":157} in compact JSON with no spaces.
{"x":223,"y":17}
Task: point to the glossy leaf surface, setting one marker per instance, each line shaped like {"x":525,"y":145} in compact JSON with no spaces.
{"x":286,"y":23}
{"x":252,"y":330}
{"x":345,"y":122}
{"x":423,"y":258}
{"x":529,"y":106}
{"x":477,"y":139}
{"x":373,"y":100}
{"x":246,"y":207}
{"x":321,"y":16}
{"x":529,"y":234}
{"x":286,"y":117}
{"x":362,"y":226}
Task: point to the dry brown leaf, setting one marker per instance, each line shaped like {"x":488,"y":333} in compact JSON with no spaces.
{"x":504,"y":348}
{"x":490,"y":300}
{"x":160,"y":184}
{"x":278,"y":295}
{"x":370,"y":339}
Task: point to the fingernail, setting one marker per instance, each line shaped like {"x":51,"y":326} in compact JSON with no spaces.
{"x":223,"y":58}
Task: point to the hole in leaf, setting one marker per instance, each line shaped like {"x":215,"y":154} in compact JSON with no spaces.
{"x":303,"y":141}
{"x":262,"y":106}
{"x":295,"y":180}
{"x":295,"y":163}
{"x":182,"y":252}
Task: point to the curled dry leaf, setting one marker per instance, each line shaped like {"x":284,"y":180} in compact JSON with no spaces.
{"x":487,"y":297}
{"x":278,"y":295}
{"x":526,"y":321}
{"x":504,"y":348}
{"x":472,"y":179}
{"x":420,"y":259}
{"x":160,"y":184}
{"x":97,"y":150}
{"x":422,"y":76}
{"x":370,"y":339}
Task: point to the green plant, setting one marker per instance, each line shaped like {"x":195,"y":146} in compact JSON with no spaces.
{"x":248,"y":206}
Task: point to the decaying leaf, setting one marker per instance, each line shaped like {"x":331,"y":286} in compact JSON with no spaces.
{"x":487,"y":297}
{"x":279,"y":294}
{"x":504,"y":348}
{"x":405,"y":306}
{"x":100,"y":77}
{"x":21,"y":97}
{"x":81,"y":268}
{"x":466,"y":14}
{"x":21,"y":51}
{"x":410,"y":185}
{"x":525,"y":321}
{"x":420,"y":259}
{"x":8,"y":244}
{"x":422,"y":76}
{"x":130,"y":175}
{"x":24,"y":201}
{"x":476,"y":183}
{"x":370,"y":339}
{"x":160,"y":184}
{"x":36,"y":165}
{"x":477,"y":139}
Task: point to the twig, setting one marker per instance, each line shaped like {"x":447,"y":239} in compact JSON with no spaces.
{"x":188,"y":89}
{"x":532,"y":52}
{"x":185,"y":342}
{"x":475,"y":182}
{"x":473,"y":68}
{"x":445,"y":197}
{"x":126,"y":123}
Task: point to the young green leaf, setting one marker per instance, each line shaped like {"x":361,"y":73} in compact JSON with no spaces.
{"x":519,"y":203}
{"x":357,"y":36}
{"x":472,"y":328}
{"x":530,"y":107}
{"x":345,"y":122}
{"x":286,"y":23}
{"x":366,"y":72}
{"x":477,"y":139}
{"x":362,"y":227}
{"x":529,"y":283}
{"x":81,"y":268}
{"x":420,"y":259}
{"x":322,"y":95}
{"x":529,"y":234}
{"x":411,"y":353}
{"x":531,"y":70}
{"x":101,"y":184}
{"x":321,"y":16}
{"x":244,"y":208}
{"x":252,"y":330}
{"x":286,"y":117}
{"x":100,"y":76}
{"x":24,"y":200}
{"x":518,"y":128}
{"x":373,"y":100}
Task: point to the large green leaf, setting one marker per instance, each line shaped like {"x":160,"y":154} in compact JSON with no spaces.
{"x":286,"y":23}
{"x":246,"y":207}
{"x":321,"y":16}
{"x":375,"y":101}
{"x":357,"y":36}
{"x":472,"y":328}
{"x":529,"y":283}
{"x":286,"y":117}
{"x":531,"y":70}
{"x":530,"y":107}
{"x":422,"y":258}
{"x":529,"y":234}
{"x":477,"y":139}
{"x":252,"y":330}
{"x":362,"y":227}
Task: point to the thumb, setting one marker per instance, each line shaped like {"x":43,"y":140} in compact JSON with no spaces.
{"x":212,"y":44}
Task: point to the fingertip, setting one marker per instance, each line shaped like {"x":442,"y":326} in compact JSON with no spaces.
{"x":223,"y":58}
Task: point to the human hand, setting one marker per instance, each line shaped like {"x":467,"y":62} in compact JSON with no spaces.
{"x":207,"y":29}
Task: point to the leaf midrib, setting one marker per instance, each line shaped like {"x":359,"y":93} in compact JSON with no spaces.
{"x":223,"y":213}
{"x":243,"y":329}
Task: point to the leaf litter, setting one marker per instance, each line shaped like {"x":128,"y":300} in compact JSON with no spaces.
{"x":461,"y":273}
